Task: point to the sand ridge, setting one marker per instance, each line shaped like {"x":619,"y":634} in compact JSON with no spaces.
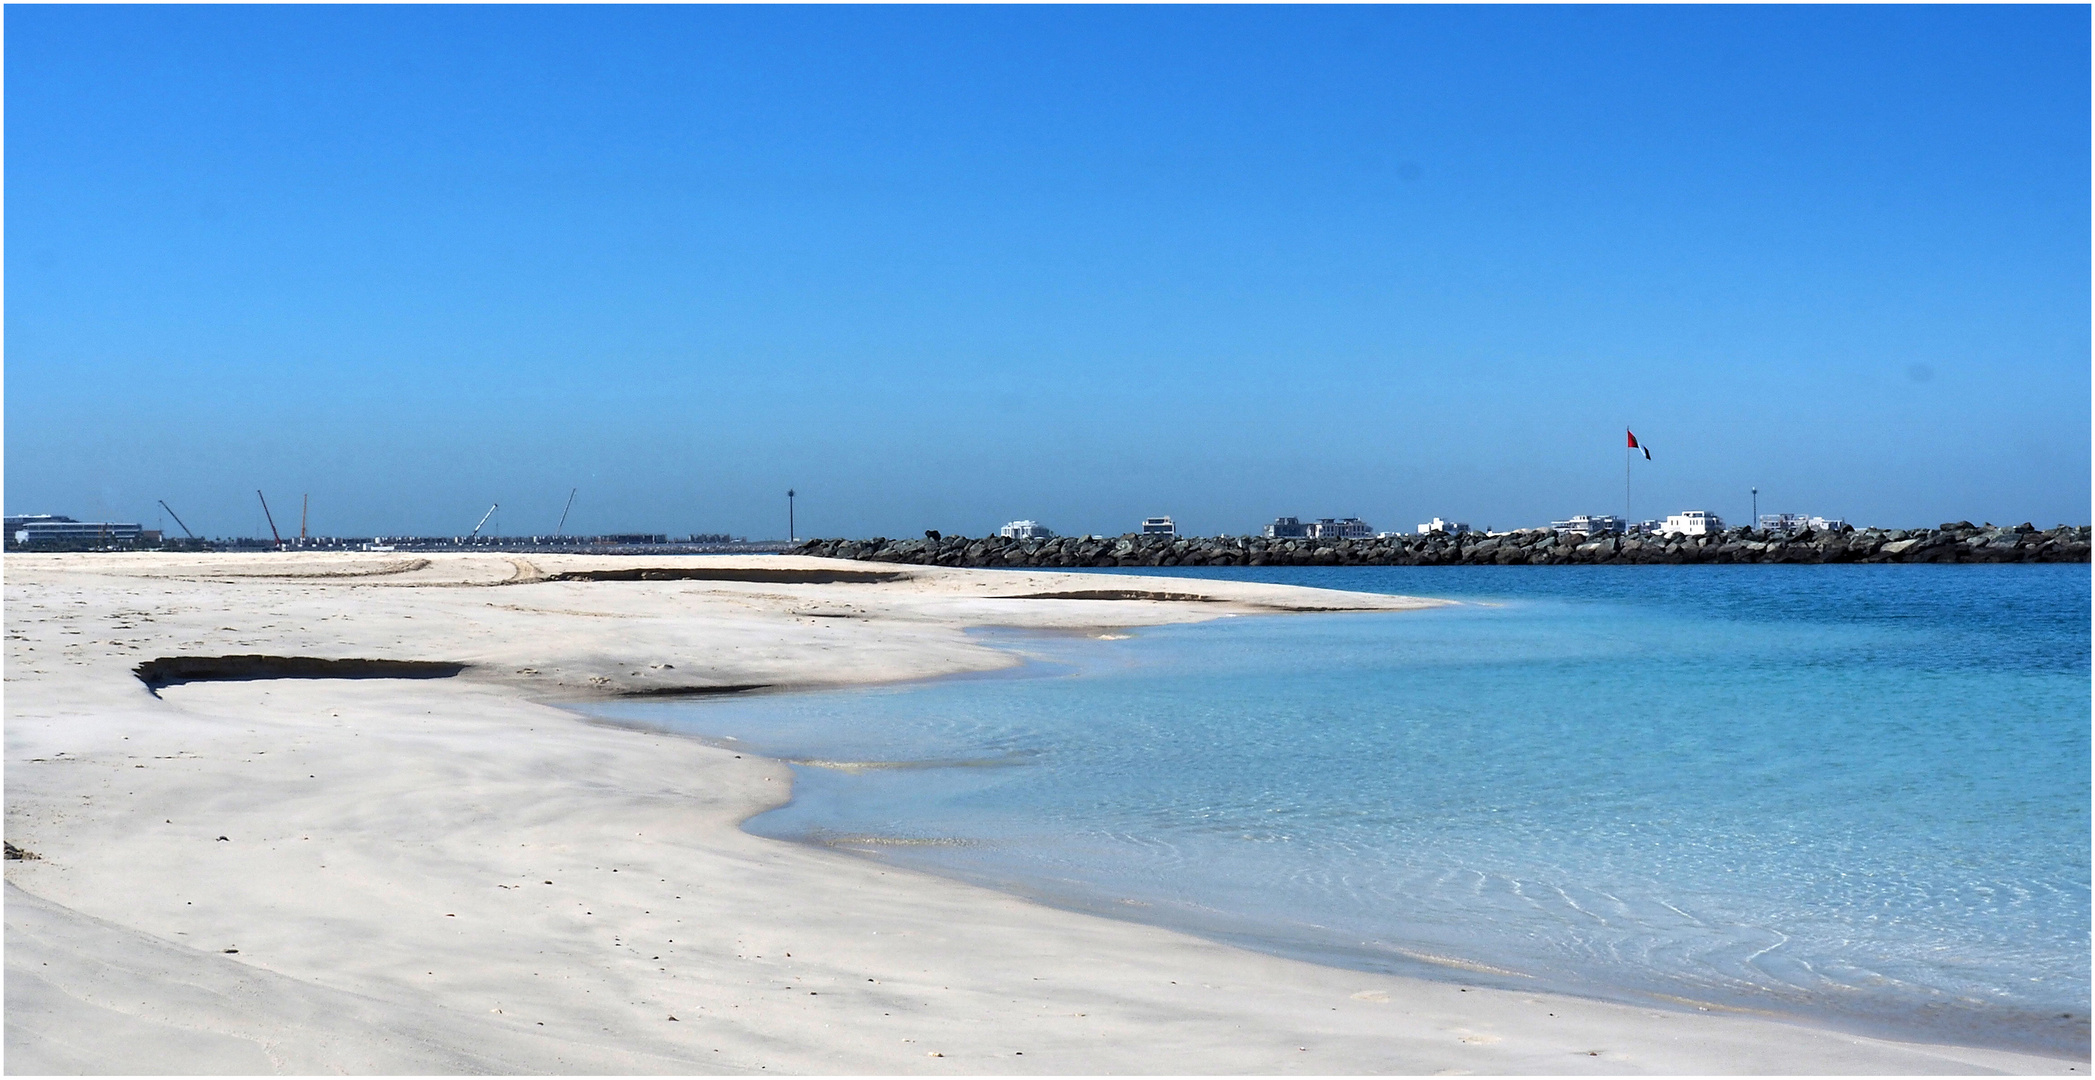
{"x":444,"y":875}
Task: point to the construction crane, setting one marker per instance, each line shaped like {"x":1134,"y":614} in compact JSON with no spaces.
{"x":178,"y":519}
{"x":563,"y":511}
{"x":271,"y":519}
{"x":483,"y":520}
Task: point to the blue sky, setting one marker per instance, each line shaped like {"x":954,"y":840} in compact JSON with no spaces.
{"x":943,"y":267}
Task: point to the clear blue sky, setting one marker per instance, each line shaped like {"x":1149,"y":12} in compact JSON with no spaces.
{"x":943,"y":267}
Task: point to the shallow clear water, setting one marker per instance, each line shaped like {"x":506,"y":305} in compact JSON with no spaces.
{"x":1855,"y":795}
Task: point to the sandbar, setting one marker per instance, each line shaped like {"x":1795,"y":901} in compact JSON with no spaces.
{"x":414,"y":870}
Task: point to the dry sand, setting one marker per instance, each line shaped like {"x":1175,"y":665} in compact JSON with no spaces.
{"x":395,"y":875}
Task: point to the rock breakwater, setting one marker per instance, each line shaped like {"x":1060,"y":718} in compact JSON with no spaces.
{"x":1959,"y":542}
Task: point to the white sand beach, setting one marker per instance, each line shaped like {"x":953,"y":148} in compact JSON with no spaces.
{"x":455,"y":874}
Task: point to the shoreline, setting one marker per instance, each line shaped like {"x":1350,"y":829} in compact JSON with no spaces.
{"x":351,"y":874}
{"x":1089,"y":898}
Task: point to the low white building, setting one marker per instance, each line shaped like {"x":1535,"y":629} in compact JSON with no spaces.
{"x":1796,"y":523}
{"x":1437,"y":525}
{"x":1159,"y":526}
{"x":1692,"y":523}
{"x":59,"y":529}
{"x":1351,"y":528}
{"x":1026,"y":530}
{"x":1590,"y":524}
{"x":1348,"y":528}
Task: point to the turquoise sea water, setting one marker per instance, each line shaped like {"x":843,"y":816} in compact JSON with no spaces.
{"x":1851,"y":795}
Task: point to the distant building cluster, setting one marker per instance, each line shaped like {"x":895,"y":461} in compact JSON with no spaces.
{"x":1350,"y":528}
{"x":606,"y":540}
{"x":1685,"y":523}
{"x":1688,"y":523}
{"x":31,"y":530}
{"x":59,"y":531}
{"x":1791,"y":524}
{"x":1591,"y":524}
{"x":1285,"y":528}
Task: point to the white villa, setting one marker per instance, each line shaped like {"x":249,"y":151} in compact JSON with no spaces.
{"x":1692,"y":523}
{"x":1792,"y":523}
{"x":1026,"y":530}
{"x":1452,"y":528}
{"x":1348,"y":528}
{"x":1590,"y":524}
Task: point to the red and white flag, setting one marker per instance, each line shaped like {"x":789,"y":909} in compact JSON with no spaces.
{"x":1634,"y":446}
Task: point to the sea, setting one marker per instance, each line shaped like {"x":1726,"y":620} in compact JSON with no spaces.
{"x":1849,"y":796}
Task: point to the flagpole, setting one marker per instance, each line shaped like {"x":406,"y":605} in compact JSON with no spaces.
{"x":1626,"y":515}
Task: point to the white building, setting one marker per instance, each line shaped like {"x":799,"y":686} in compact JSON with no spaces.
{"x":1796,"y":523}
{"x":1692,"y":523}
{"x":1590,"y":524}
{"x":59,"y":529}
{"x":1159,"y":526}
{"x":1452,"y":528}
{"x":1026,"y":530}
{"x":1351,"y":528}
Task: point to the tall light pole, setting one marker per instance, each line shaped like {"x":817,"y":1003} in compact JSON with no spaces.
{"x":790,"y":535}
{"x":1755,"y":523}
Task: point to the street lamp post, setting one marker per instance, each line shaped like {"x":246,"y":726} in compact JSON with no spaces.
{"x":1755,"y":523}
{"x":790,"y":534}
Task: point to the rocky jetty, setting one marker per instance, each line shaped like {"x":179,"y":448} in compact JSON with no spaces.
{"x":1958,"y":542}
